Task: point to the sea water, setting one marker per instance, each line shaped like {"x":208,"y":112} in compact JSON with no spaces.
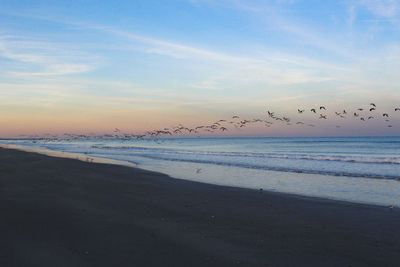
{"x":355,"y":169}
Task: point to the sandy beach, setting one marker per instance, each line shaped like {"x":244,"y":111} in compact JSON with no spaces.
{"x":65,"y":212}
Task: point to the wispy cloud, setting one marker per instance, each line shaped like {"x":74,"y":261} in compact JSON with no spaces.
{"x":382,"y":8}
{"x":54,"y":70}
{"x":47,"y":58}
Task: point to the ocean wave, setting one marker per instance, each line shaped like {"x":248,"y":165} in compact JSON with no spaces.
{"x":316,"y":157}
{"x":280,"y":169}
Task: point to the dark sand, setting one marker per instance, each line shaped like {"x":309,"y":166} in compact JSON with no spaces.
{"x":64,"y":212}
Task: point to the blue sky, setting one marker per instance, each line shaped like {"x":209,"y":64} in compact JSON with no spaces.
{"x":95,"y":65}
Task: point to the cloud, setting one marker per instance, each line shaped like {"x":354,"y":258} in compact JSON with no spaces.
{"x":382,"y":8}
{"x":23,"y":57}
{"x":56,"y":69}
{"x":46,"y":58}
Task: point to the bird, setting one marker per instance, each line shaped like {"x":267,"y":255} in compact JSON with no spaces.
{"x":235,"y":117}
{"x":385,"y":115}
{"x":360,"y":109}
{"x":322,"y":107}
{"x":370,"y":117}
{"x":344,"y":112}
{"x":397,"y":109}
{"x":371,"y":109}
{"x":372,"y":104}
{"x":313,"y":110}
{"x":355,"y":114}
{"x":300,"y":111}
{"x":322,"y":116}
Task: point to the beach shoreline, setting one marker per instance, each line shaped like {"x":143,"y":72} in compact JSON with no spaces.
{"x":66,"y":212}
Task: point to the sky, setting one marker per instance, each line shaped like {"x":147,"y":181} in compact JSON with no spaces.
{"x":92,"y":66}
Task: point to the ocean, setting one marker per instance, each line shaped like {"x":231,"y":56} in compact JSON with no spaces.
{"x":354,"y":169}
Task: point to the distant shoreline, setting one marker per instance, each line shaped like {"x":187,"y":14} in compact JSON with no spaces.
{"x":232,"y":137}
{"x":65,"y":212}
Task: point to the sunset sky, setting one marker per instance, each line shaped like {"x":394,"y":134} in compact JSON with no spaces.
{"x":91,"y":66}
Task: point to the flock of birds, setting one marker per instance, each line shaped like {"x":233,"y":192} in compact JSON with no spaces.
{"x":364,"y":114}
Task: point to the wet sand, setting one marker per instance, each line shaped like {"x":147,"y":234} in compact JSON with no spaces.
{"x":65,"y":212}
